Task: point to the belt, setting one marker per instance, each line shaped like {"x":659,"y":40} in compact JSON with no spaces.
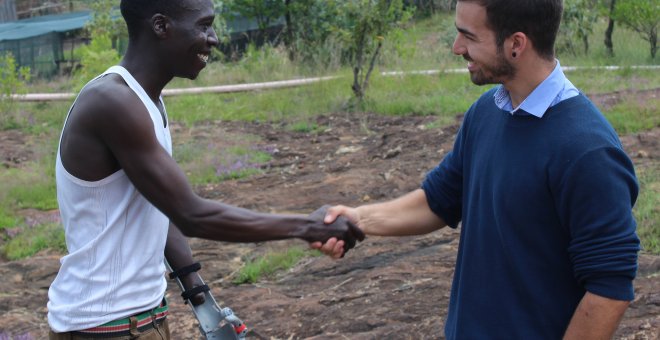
{"x":122,"y":327}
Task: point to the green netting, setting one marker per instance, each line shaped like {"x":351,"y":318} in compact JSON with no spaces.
{"x":38,"y":42}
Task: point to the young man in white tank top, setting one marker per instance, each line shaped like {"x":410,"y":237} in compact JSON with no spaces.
{"x":120,"y":190}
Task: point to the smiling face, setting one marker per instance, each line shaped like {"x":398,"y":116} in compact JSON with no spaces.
{"x":191,"y":38}
{"x":477,"y":44}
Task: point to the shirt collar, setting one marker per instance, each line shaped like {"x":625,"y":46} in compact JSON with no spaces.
{"x":541,"y":98}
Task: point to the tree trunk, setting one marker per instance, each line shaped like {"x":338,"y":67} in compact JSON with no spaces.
{"x":290,"y":31}
{"x":371,"y":67}
{"x":357,"y":69}
{"x":653,"y":40}
{"x":609,"y":30}
{"x":585,"y":42}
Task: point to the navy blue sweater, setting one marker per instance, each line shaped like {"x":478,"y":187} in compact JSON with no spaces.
{"x":546,"y":212}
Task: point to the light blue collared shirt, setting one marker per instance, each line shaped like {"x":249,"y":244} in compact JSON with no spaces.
{"x":555,"y":88}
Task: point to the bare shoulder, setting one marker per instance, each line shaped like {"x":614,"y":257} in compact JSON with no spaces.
{"x":108,"y":104}
{"x":108,"y":94}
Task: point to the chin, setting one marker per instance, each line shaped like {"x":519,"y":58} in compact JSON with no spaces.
{"x":192,"y":76}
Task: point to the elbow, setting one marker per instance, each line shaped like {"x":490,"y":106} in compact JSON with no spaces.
{"x":187,"y":224}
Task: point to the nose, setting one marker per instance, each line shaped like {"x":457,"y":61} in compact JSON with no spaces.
{"x":212,"y":38}
{"x":458,"y":47}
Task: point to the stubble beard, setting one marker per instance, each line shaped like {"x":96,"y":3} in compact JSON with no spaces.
{"x":495,"y":73}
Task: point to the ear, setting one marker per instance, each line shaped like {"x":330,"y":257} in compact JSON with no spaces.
{"x":517,"y":44}
{"x":160,"y":24}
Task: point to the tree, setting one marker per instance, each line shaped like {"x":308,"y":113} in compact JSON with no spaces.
{"x":310,"y":24}
{"x":263,"y":11}
{"x":12,"y":81}
{"x":368,"y":24}
{"x":106,"y":29}
{"x":642,"y":16}
{"x":95,"y":58}
{"x":106,"y":20}
{"x":577,"y":24}
{"x":610,"y":28}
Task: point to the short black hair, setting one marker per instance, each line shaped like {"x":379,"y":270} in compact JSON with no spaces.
{"x":136,"y":11}
{"x":538,"y":19}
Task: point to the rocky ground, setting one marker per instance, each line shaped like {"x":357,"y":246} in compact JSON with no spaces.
{"x":386,"y":288}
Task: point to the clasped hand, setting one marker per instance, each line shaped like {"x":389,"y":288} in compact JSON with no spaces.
{"x":341,"y":230}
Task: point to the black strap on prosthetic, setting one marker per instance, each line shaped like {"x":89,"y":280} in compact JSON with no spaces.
{"x":183,"y":271}
{"x":194,"y":291}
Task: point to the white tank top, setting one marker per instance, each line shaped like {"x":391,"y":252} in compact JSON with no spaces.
{"x":116,"y":242}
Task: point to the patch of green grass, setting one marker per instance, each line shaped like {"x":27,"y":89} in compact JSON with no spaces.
{"x":647,"y":208}
{"x":290,"y":104}
{"x":7,"y":220}
{"x":31,"y":187}
{"x":271,"y":263}
{"x":38,"y":195}
{"x":602,"y":81}
{"x":33,"y":240}
{"x":631,"y":115}
{"x":445,"y":94}
{"x":303,"y":126}
{"x":36,"y":118}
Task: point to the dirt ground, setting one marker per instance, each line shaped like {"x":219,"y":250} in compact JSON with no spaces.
{"x":386,"y":288}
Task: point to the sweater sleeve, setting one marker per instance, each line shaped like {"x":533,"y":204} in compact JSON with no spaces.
{"x":443,"y":185}
{"x":597,"y":192}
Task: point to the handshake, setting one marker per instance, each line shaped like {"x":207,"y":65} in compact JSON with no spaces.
{"x":319,"y":234}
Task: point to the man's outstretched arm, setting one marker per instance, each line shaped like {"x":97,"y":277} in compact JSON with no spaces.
{"x":407,"y":215}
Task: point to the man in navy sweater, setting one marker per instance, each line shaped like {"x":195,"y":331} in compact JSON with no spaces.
{"x":538,"y":180}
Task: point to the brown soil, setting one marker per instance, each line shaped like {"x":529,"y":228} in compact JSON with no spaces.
{"x":386,"y":288}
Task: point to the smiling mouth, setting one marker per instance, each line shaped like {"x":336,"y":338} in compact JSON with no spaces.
{"x":203,"y":57}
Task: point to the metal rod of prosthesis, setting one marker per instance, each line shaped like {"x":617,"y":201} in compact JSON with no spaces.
{"x":215,"y":323}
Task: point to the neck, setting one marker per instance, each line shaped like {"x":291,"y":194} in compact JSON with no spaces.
{"x":530,"y":73}
{"x":146,"y":69}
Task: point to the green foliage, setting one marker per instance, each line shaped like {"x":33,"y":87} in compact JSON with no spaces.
{"x":263,"y":11}
{"x":271,"y":263}
{"x":95,"y":59}
{"x":39,"y":195}
{"x":7,"y":220}
{"x":368,"y":22}
{"x":304,"y":126}
{"x":13,"y":80}
{"x":256,"y":60}
{"x":106,"y":29}
{"x":220,"y":27}
{"x":32,"y":240}
{"x":107,"y":21}
{"x":643,"y":17}
{"x":577,"y":25}
{"x":310,"y":31}
{"x":32,"y":187}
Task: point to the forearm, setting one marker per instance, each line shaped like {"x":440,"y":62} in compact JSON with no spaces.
{"x":406,"y":215}
{"x":179,"y":255}
{"x":177,"y":250}
{"x":595,"y":317}
{"x":217,"y":221}
{"x":221,"y":222}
